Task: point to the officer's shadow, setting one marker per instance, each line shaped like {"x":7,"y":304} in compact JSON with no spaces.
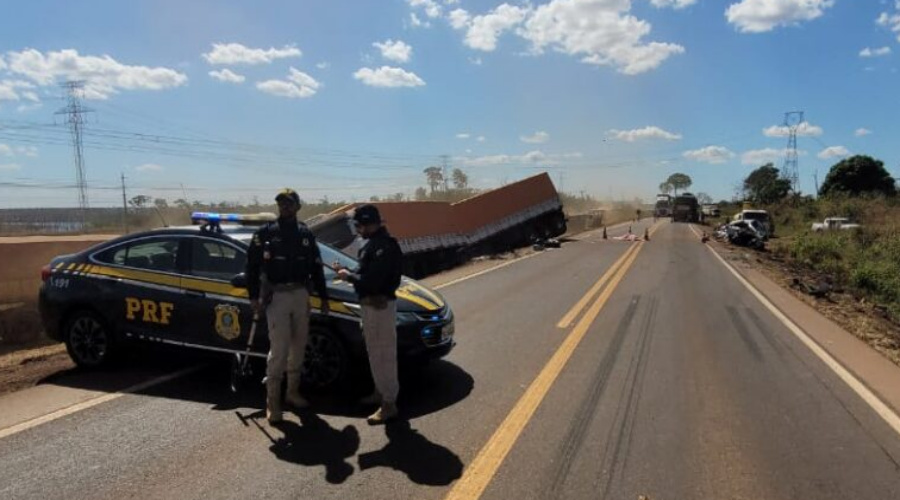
{"x":410,"y":452}
{"x":314,"y":442}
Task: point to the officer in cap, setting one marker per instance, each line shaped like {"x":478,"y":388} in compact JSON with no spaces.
{"x":376,"y":282}
{"x":283,"y":267}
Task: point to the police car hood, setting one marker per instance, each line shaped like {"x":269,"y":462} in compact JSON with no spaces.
{"x":412,"y":296}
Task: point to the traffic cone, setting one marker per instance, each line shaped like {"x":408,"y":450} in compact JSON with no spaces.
{"x":629,"y":229}
{"x":604,"y":232}
{"x":646,"y":234}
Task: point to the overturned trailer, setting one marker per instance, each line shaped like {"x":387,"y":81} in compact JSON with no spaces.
{"x":436,"y":236}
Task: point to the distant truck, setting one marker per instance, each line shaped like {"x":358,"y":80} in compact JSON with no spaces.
{"x":686,"y":208}
{"x":663,"y":207}
{"x":760,"y":216}
{"x":711,"y":210}
{"x":834,"y":224}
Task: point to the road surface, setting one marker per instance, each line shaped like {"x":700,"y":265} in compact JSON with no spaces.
{"x":670,"y":380}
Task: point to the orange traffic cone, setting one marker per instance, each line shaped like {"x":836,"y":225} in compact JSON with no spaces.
{"x":604,"y":232}
{"x":646,"y":234}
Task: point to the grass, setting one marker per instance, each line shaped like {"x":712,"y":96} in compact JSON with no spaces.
{"x":864,"y":261}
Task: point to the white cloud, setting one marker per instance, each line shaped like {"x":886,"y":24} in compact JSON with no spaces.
{"x":12,"y":90}
{"x":867,"y":52}
{"x":675,"y":4}
{"x":149,"y":167}
{"x":710,"y":154}
{"x":29,"y":151}
{"x":226,"y":75}
{"x":451,"y":2}
{"x":387,"y":76}
{"x":396,"y":51}
{"x":298,"y":85}
{"x":432,"y":9}
{"x":5,"y":150}
{"x":600,"y":31}
{"x":528,"y":158}
{"x":323,"y":65}
{"x":103,"y":75}
{"x":481,"y":138}
{"x":804,"y":129}
{"x":860,"y":132}
{"x":767,"y":155}
{"x":759,"y":16}
{"x":416,"y":22}
{"x":2,"y":63}
{"x":235,"y":53}
{"x":891,"y":21}
{"x":463,"y":135}
{"x":459,"y":18}
{"x":649,"y":132}
{"x":8,"y":167}
{"x":484,"y":30}
{"x":833,"y":152}
{"x":536,"y":138}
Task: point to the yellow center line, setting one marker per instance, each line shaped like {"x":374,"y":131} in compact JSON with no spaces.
{"x":478,"y":475}
{"x":570,"y":316}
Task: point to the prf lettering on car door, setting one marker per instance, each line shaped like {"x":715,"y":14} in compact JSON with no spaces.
{"x":148,"y":311}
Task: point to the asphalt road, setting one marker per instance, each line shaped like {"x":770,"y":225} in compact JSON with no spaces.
{"x":672,"y":382}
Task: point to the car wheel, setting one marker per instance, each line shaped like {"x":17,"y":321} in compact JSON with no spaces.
{"x":325,"y":364}
{"x":89,"y":340}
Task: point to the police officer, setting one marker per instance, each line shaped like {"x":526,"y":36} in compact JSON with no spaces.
{"x":283,"y":265}
{"x":376,"y":282}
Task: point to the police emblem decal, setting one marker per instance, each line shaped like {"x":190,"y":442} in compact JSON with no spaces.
{"x":228,"y":324}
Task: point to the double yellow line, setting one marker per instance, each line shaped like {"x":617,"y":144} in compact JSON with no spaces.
{"x":478,"y":475}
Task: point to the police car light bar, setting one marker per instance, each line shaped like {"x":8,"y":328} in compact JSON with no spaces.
{"x":244,"y":219}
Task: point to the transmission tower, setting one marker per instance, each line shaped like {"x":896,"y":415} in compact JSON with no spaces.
{"x":445,"y":162}
{"x":790,"y":169}
{"x":74,"y":113}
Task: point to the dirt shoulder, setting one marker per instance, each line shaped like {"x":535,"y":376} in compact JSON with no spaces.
{"x":863,"y":319}
{"x":26,"y":368}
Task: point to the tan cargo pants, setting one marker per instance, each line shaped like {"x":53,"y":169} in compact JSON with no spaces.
{"x":288,"y":319}
{"x":380,"y":331}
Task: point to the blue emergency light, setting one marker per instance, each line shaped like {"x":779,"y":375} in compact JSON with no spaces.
{"x":215,"y":218}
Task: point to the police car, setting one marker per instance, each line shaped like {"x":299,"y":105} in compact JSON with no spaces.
{"x":184,"y":286}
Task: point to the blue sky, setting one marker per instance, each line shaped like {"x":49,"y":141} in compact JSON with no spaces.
{"x":227,"y":100}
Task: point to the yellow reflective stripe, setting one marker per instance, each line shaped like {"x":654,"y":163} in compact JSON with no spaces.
{"x":199,"y":285}
{"x":71,"y":266}
{"x":59,"y":265}
{"x":145,"y":276}
{"x":415,"y":299}
{"x":431,"y":295}
{"x":335,"y":306}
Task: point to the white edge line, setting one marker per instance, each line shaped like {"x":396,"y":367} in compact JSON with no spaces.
{"x":84,"y":405}
{"x":882,"y":409}
{"x":488,"y":270}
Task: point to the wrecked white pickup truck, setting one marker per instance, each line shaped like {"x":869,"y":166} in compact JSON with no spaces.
{"x":834,"y":224}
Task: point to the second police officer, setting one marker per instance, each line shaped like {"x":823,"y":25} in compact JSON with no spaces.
{"x":283,"y":266}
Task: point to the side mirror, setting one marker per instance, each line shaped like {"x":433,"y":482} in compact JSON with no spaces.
{"x":239,"y":281}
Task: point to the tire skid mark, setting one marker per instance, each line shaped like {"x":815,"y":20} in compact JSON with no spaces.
{"x":615,"y":464}
{"x":744,"y":332}
{"x":585,"y":414}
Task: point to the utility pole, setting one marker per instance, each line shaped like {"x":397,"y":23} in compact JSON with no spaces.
{"x":74,"y":113}
{"x":816,"y":180}
{"x":445,"y":160}
{"x":124,"y":207}
{"x":790,"y":169}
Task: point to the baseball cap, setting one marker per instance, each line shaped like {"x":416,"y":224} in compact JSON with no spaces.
{"x":288,"y":194}
{"x":367,"y":214}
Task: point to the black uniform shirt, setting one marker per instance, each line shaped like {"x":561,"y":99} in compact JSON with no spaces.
{"x":380,"y":262}
{"x":286,"y":251}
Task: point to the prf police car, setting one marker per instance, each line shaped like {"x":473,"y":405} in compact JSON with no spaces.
{"x":184,"y":286}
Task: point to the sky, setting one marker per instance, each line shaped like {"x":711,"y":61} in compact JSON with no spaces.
{"x":216,"y":101}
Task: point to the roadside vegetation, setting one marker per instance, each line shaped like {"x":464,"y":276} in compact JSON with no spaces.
{"x":865,"y":261}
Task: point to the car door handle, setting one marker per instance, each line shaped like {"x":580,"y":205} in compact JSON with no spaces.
{"x":192,"y":293}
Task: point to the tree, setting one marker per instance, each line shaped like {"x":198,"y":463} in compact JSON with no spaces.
{"x":421,"y":194}
{"x":679,"y":181}
{"x":374,"y":199}
{"x":704,"y":198}
{"x":460,"y":179}
{"x":182,"y":203}
{"x":765,"y":186}
{"x":161,"y":203}
{"x":435,"y":177}
{"x":665,"y":188}
{"x":858,"y":175}
{"x":140,"y":201}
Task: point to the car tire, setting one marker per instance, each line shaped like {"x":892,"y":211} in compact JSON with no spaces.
{"x":326,"y":364}
{"x":89,"y":340}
